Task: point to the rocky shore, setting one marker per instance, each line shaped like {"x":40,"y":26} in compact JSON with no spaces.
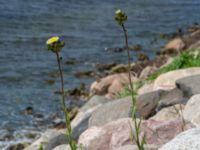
{"x":168,"y":105}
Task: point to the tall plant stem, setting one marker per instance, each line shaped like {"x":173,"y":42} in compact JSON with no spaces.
{"x":66,"y":113}
{"x":129,"y":59}
{"x":137,"y":125}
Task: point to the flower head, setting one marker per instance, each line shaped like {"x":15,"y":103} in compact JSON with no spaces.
{"x":54,"y":44}
{"x":52,"y":40}
{"x":120,"y":16}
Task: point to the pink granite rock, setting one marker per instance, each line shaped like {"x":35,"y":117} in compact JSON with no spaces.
{"x":118,"y":133}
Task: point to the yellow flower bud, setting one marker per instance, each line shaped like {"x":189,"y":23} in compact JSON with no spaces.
{"x":52,"y":40}
{"x":54,"y":44}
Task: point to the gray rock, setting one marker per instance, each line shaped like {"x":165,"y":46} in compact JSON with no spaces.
{"x":80,"y":122}
{"x":111,"y":111}
{"x":192,"y":111}
{"x":57,"y":140}
{"x":188,"y":140}
{"x":189,"y":85}
{"x":49,"y":135}
{"x":171,"y":97}
{"x":94,"y":101}
{"x":147,"y":105}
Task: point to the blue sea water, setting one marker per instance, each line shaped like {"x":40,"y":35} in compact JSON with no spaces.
{"x":88,"y":28}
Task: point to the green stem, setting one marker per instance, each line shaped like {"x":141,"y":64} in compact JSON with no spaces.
{"x":66,"y":113}
{"x":137,"y":127}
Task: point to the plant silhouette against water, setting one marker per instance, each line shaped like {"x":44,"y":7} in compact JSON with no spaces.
{"x":121,"y":17}
{"x":55,"y":45}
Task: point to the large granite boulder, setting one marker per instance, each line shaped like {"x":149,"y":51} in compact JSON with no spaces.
{"x":118,"y":133}
{"x":167,"y":80}
{"x":188,"y":140}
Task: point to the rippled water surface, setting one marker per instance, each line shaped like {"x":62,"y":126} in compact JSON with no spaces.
{"x":88,"y":28}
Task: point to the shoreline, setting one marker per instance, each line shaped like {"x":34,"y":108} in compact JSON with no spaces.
{"x":135,"y":67}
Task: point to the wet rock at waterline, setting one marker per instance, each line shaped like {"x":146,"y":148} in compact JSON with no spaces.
{"x":104,"y":67}
{"x":136,"y":47}
{"x":178,"y":44}
{"x":78,"y":92}
{"x":48,"y":135}
{"x":71,"y":61}
{"x":110,"y":85}
{"x":121,"y":68}
{"x":86,"y":74}
{"x":175,"y":46}
{"x":28,"y":110}
{"x":142,"y":57}
{"x":19,"y":146}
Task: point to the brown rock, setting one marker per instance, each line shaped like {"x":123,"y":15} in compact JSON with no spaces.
{"x":147,"y":71}
{"x":174,"y":46}
{"x":111,"y":84}
{"x":160,"y":132}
